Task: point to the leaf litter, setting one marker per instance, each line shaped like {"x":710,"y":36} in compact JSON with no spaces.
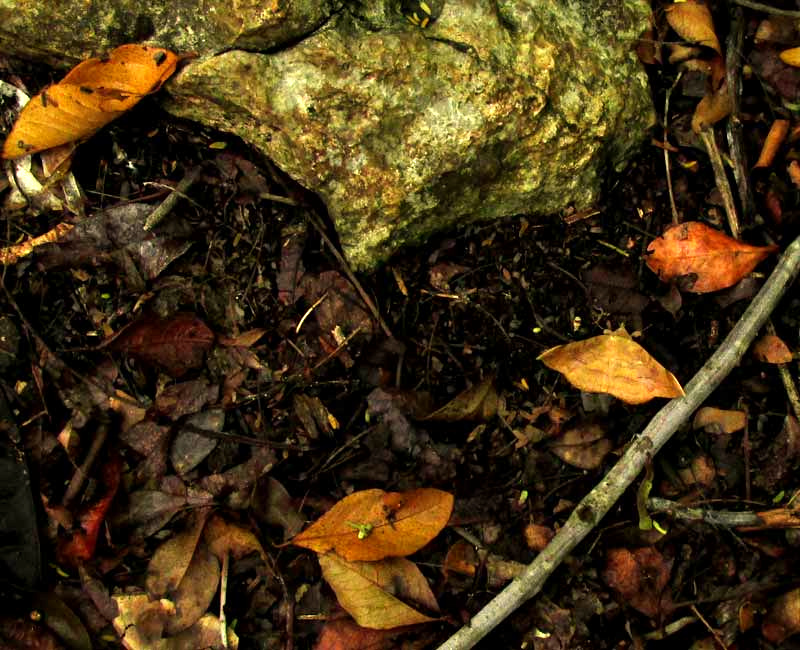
{"x":224,"y":361}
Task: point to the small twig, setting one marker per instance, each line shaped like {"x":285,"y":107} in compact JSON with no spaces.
{"x":714,"y":633}
{"x":722,"y":518}
{"x":675,"y":218}
{"x":223,"y":594}
{"x":277,"y":199}
{"x":168,"y":204}
{"x":81,"y":472}
{"x":721,"y":178}
{"x":350,"y":275}
{"x":341,"y":347}
{"x":767,"y":9}
{"x":599,"y":501}
{"x":309,"y":311}
{"x":734,"y":131}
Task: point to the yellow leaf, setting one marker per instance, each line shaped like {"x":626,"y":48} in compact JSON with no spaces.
{"x":371,"y":592}
{"x":614,"y":364}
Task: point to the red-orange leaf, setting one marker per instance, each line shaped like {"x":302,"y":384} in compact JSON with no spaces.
{"x":372,"y":524}
{"x":614,"y":364}
{"x":93,"y":94}
{"x":703,"y":258}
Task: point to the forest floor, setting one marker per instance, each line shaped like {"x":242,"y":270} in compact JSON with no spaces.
{"x":187,"y":400}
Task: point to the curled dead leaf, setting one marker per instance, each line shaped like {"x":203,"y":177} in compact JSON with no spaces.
{"x":479,"y":402}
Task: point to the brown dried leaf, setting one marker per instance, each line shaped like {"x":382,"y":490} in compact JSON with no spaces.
{"x":480,"y":402}
{"x":171,"y":560}
{"x":715,"y":106}
{"x":584,"y":447}
{"x":372,"y":524}
{"x":641,"y":577}
{"x":224,"y":537}
{"x":771,"y":349}
{"x":783,"y":618}
{"x":175,"y":344}
{"x":195,"y":592}
{"x":704,"y":258}
{"x":371,"y":592}
{"x":614,"y":364}
{"x":692,"y":21}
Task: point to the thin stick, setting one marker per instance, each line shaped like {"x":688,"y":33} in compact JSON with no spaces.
{"x":351,"y":276}
{"x":660,"y":429}
{"x":668,"y":171}
{"x":168,"y":204}
{"x":721,"y":177}
{"x":223,"y":597}
{"x":767,"y":9}
{"x":734,"y":130}
{"x":82,"y":472}
{"x":708,"y":627}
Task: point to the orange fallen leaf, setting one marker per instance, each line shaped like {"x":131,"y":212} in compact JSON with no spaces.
{"x":93,"y":93}
{"x":373,"y":593}
{"x":692,"y":21}
{"x":775,"y":138}
{"x":772,"y":349}
{"x":716,"y":420}
{"x":791,"y":57}
{"x":372,"y":524}
{"x":614,"y":364}
{"x":704,"y":258}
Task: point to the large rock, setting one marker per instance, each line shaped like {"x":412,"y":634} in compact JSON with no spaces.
{"x":497,"y":108}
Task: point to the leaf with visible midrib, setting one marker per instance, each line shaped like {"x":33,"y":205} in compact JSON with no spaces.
{"x":371,"y":592}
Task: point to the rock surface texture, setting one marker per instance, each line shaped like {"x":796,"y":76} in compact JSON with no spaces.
{"x":497,"y":108}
